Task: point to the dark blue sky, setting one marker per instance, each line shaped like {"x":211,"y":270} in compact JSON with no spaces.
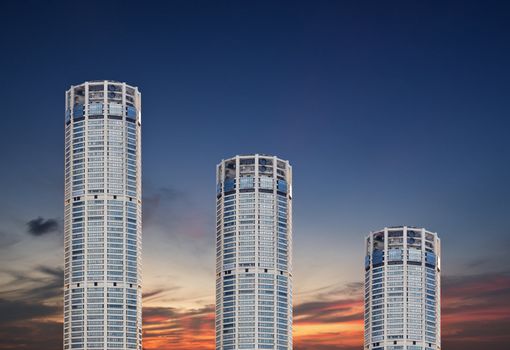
{"x":391,"y":112}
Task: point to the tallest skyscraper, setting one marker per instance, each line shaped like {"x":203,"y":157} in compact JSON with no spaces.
{"x":102,"y":222}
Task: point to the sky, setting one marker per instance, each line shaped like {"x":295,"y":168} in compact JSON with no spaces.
{"x":390,"y":112}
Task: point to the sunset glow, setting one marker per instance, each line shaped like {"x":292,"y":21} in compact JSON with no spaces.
{"x":391,"y":114}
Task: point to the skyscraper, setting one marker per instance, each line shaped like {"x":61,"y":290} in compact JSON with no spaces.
{"x":402,"y":290}
{"x":254,"y":253}
{"x":102,"y":224}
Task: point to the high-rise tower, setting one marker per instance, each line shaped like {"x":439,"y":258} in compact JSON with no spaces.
{"x":254,"y":253}
{"x":402,"y":290}
{"x":103,"y":210}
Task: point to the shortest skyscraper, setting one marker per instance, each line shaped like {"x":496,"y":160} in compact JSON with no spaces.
{"x":402,"y":290}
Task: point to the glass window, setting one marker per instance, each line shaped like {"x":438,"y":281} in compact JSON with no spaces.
{"x":395,"y":254}
{"x":115,"y":109}
{"x":266,"y":182}
{"x":430,"y":258}
{"x":78,"y":110}
{"x":229,"y":185}
{"x":131,"y":112}
{"x":96,"y":109}
{"x":414,"y":255}
{"x":282,"y":186}
{"x":246,"y":182}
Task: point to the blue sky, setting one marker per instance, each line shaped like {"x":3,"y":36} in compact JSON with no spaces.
{"x":390,"y":113}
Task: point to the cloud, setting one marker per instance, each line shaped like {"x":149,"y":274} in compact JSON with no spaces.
{"x":31,"y":335}
{"x":476,"y":315}
{"x":160,"y":198}
{"x":31,"y":310}
{"x":334,"y":291}
{"x":153,"y":293}
{"x":14,"y":310}
{"x":481,"y":262}
{"x":7,"y":240}
{"x":476,"y":311}
{"x":336,"y":311}
{"x":159,"y":294}
{"x":478,"y":335}
{"x":174,"y":213}
{"x":172,"y":328}
{"x":41,"y":284}
{"x":327,"y":341}
{"x":332,"y":319}
{"x":40,"y":226}
{"x":52,"y":283}
{"x":176,"y":329}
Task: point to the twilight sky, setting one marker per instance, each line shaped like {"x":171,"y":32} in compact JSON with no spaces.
{"x":391,"y":112}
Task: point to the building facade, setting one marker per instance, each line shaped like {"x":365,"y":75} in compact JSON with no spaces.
{"x":254,"y":253}
{"x":402,"y":290}
{"x":102,"y":223}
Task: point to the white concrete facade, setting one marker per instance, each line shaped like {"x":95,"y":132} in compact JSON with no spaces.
{"x":403,"y":289}
{"x":254,"y":253}
{"x":103,"y":213}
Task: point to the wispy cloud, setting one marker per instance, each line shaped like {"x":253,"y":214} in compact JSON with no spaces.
{"x":40,"y":284}
{"x":159,"y":294}
{"x":12,"y":311}
{"x":480,"y":262}
{"x":172,"y":328}
{"x":174,"y":212}
{"x":476,"y":314}
{"x":334,"y":291}
{"x":331,"y":318}
{"x":153,"y":293}
{"x":31,"y":334}
{"x":31,"y":309}
{"x":163,"y":197}
{"x":476,"y":311}
{"x":7,"y":240}
{"x":320,"y":312}
{"x":329,"y":341}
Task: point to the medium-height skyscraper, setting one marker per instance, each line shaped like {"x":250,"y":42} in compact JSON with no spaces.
{"x":402,"y":290}
{"x":254,"y":253}
{"x":102,"y":225}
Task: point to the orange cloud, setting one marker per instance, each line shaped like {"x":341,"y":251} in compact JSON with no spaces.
{"x":336,"y":324}
{"x":170,"y":328}
{"x":475,"y":315}
{"x":476,"y":311}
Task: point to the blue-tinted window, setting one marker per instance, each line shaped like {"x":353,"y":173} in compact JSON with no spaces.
{"x":229,"y":185}
{"x":430,"y":258}
{"x":282,"y":186}
{"x":78,"y":110}
{"x":377,"y":257}
{"x":131,"y":112}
